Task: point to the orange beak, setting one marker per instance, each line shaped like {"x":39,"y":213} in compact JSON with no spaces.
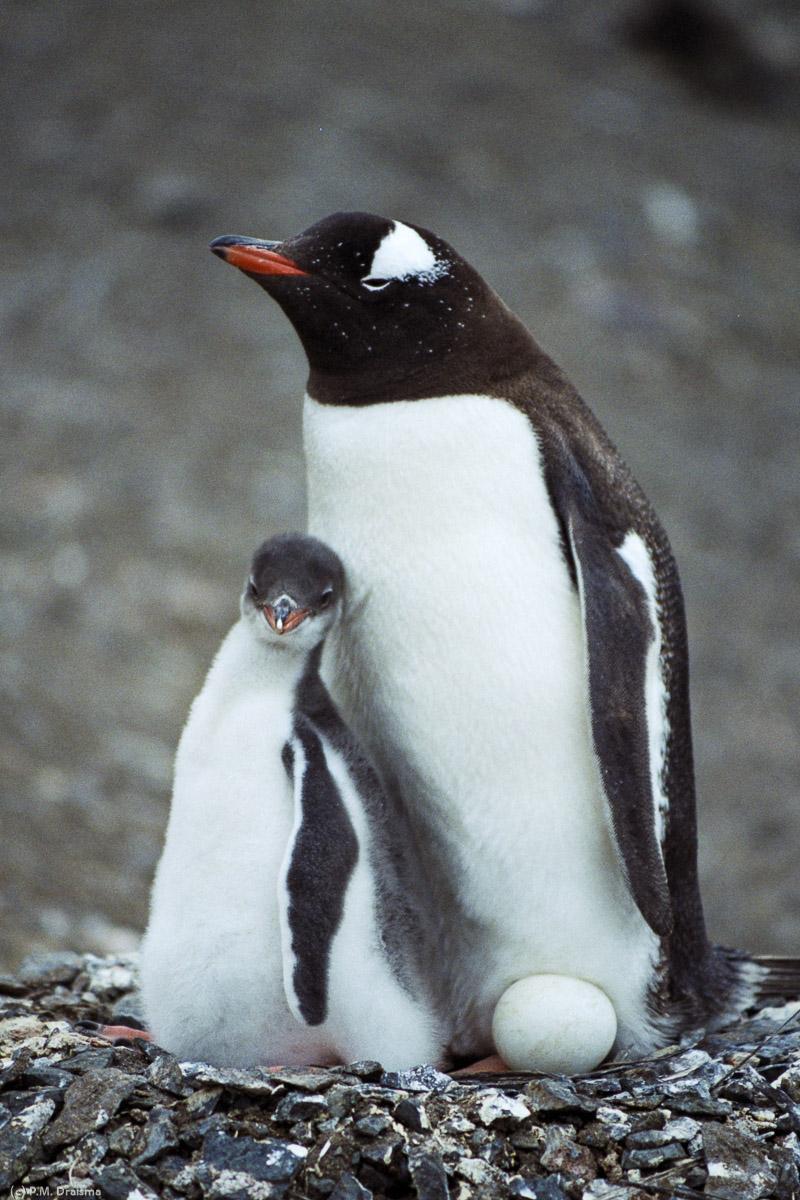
{"x":285,"y":624}
{"x":257,"y":258}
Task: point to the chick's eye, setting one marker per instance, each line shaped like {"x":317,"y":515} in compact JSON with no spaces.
{"x":374,"y":283}
{"x":325,"y":599}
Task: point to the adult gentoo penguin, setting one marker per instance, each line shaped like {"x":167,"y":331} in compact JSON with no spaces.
{"x":513,"y":653}
{"x":282,"y":927}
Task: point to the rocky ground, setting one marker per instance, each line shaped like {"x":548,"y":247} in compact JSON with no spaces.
{"x":637,"y":204}
{"x":717,"y":1116}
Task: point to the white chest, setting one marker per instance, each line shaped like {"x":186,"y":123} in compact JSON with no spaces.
{"x":462,"y":634}
{"x":460,"y":663}
{"x":231,"y":799}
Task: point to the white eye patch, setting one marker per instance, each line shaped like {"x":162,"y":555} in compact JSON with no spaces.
{"x":403,"y":253}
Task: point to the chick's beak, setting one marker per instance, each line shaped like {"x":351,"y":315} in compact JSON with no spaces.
{"x":283,"y":616}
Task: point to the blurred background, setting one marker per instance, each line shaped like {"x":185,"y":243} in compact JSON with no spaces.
{"x":626,"y":175}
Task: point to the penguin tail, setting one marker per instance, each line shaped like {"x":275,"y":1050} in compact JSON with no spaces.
{"x":776,"y":977}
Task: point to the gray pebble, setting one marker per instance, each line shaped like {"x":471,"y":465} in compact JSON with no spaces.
{"x":19,"y":1136}
{"x":656,"y":1156}
{"x":271,"y":1160}
{"x":159,"y":1135}
{"x":50,"y":969}
{"x":348,"y":1188}
{"x":89,"y":1104}
{"x":300,"y":1108}
{"x":738,"y":1167}
{"x":418,"y":1079}
{"x":428,"y":1174}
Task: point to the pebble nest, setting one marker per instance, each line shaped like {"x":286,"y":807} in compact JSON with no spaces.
{"x":718,"y":1115}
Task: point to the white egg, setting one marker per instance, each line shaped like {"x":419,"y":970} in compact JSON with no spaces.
{"x":555,"y":1024}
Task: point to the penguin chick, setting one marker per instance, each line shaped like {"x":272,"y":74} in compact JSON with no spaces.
{"x":282,"y":924}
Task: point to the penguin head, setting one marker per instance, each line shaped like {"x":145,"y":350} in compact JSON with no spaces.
{"x":293,"y":595}
{"x":384,"y":310}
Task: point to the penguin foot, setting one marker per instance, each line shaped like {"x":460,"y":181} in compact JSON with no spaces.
{"x":493,"y":1063}
{"x":113,"y":1033}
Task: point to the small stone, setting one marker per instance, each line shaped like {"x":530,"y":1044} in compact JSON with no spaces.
{"x":91,"y":1150}
{"x":518,"y":1186}
{"x":19,"y":1137}
{"x":176,"y":1172}
{"x":602,"y":1189}
{"x":16,"y":1101}
{"x":23,"y":1029}
{"x":411,"y":1114}
{"x":479,"y":1173}
{"x":495,"y":1110}
{"x":270,"y":1160}
{"x":617,"y":1123}
{"x":681,"y":1130}
{"x":129,"y":1010}
{"x":50,"y":969}
{"x":687,"y":1063}
{"x":427,"y":1174}
{"x":382,"y":1154}
{"x":562,"y":1153}
{"x":51,"y":1077}
{"x":537,"y":1189}
{"x":373,"y":1125}
{"x":320,"y":1185}
{"x":655,"y":1156}
{"x":342,"y":1099}
{"x":121,"y":1140}
{"x":89,"y":1104}
{"x":738,"y":1168}
{"x":744,"y":1083}
{"x":418,"y":1079}
{"x":159,"y":1135}
{"x":368,"y":1070}
{"x":693,"y":1096}
{"x":305,"y":1079}
{"x":348,"y":1188}
{"x":255,"y":1081}
{"x":88,"y":1060}
{"x":456,"y":1123}
{"x":119,"y":1182}
{"x":300,"y":1108}
{"x":556,"y":1095}
{"x":164,"y":1072}
{"x":529,"y":1138}
{"x":202,"y":1102}
{"x":11,"y":986}
{"x":108,"y":976}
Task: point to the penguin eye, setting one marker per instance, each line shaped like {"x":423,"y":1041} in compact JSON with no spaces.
{"x":325,"y":598}
{"x":374,"y":283}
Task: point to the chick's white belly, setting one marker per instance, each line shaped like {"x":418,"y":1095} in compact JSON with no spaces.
{"x":211,"y":961}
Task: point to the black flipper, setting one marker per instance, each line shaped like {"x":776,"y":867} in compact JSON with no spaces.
{"x":320,"y":858}
{"x":618,"y":633}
